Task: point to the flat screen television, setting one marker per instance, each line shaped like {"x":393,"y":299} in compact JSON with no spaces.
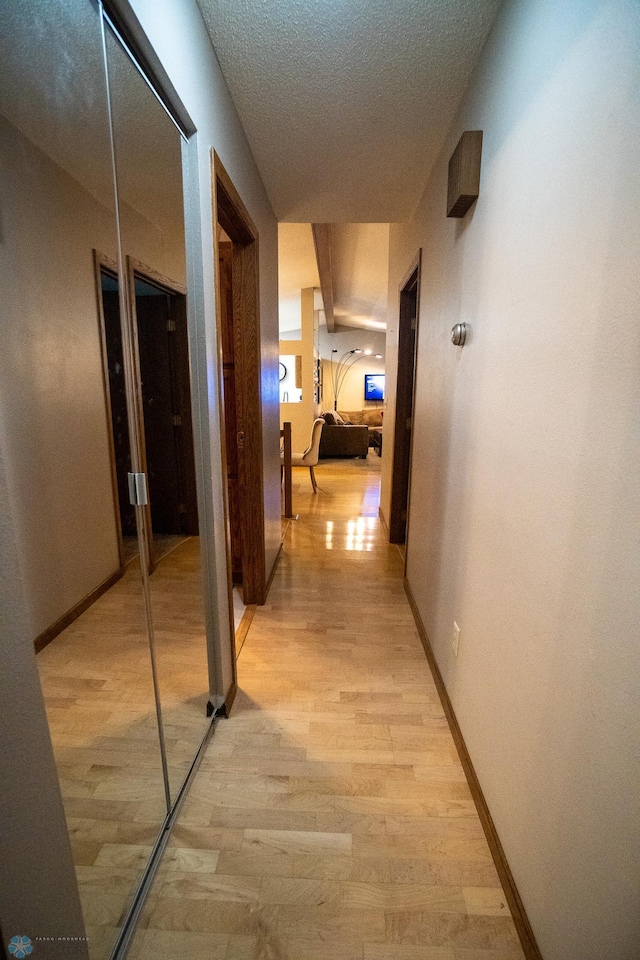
{"x":374,"y":386}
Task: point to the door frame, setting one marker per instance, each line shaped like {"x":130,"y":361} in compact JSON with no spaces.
{"x":407,"y":359}
{"x":232,"y":215}
{"x":102,"y":263}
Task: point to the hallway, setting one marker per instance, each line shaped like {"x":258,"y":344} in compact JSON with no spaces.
{"x":330,"y":817}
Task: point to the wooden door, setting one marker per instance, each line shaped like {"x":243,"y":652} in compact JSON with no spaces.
{"x":225,"y":251}
{"x":183,"y":420}
{"x":401,"y":472}
{"x":163,"y":470}
{"x":163,"y":351}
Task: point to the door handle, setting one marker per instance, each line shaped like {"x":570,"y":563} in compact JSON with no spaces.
{"x":137,"y":489}
{"x":240,"y":438}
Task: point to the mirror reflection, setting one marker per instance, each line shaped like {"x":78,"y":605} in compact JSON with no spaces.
{"x":95,"y":381}
{"x":87,"y":610}
{"x":148,"y":150}
{"x":290,"y":378}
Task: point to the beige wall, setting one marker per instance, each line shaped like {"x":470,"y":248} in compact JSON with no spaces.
{"x":51,"y":389}
{"x":301,"y":415}
{"x":51,"y":386}
{"x":351,"y":394}
{"x":526,"y":464}
{"x":38,"y":889}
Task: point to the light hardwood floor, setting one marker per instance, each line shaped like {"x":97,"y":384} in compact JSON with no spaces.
{"x":330,"y":818}
{"x":96,"y":680}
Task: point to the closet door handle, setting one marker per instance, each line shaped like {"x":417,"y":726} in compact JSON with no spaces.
{"x":137,"y":489}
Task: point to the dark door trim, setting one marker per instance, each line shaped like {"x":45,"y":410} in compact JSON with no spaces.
{"x":157,"y":279}
{"x":405,"y":401}
{"x":230,"y":212}
{"x":104,"y":264}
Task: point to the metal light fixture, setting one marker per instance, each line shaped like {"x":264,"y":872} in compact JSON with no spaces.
{"x":459,"y":334}
{"x":340,"y":368}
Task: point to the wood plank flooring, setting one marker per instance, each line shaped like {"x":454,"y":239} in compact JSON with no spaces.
{"x":330,"y":818}
{"x":96,"y":681}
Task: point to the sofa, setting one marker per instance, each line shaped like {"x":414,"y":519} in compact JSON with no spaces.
{"x":371,"y":418}
{"x":343,"y":440}
{"x":350,"y":433}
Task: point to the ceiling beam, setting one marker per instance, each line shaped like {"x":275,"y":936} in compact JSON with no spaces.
{"x":322,"y":243}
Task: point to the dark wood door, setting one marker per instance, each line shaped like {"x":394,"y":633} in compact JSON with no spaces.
{"x":230,"y":408}
{"x":183,"y":423}
{"x":118,"y":399}
{"x":153,"y":314}
{"x":404,"y":409}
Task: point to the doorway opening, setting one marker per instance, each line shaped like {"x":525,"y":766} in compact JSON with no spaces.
{"x":238,"y":323}
{"x":405,"y":390}
{"x":162,"y":355}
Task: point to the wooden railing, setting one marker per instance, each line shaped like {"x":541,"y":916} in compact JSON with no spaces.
{"x":285,"y":434}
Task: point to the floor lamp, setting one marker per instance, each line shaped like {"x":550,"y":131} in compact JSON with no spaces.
{"x":341,"y":367}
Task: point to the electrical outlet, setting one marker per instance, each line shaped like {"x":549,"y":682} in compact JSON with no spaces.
{"x":455,"y":638}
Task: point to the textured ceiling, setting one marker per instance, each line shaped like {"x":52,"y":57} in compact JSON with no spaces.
{"x":346,"y":102}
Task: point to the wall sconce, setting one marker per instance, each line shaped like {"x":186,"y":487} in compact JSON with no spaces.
{"x":459,"y":334}
{"x":463,"y":187}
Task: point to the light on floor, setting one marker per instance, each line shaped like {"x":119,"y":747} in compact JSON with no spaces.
{"x":328,"y":540}
{"x":360,"y":534}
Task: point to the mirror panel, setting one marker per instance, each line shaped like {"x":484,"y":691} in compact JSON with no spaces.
{"x":290,"y":378}
{"x":148,"y":151}
{"x":64,"y":408}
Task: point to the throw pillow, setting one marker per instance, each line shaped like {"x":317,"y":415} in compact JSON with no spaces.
{"x":372,"y":418}
{"x":355,"y":416}
{"x":329,"y":418}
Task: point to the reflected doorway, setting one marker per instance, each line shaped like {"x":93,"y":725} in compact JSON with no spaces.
{"x":163,"y":372}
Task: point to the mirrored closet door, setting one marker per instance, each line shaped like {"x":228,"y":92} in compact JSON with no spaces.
{"x":148,"y":151}
{"x":95,"y":386}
